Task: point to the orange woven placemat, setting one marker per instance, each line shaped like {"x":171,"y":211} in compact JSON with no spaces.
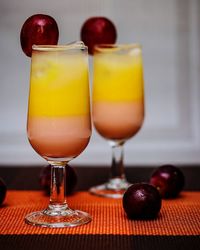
{"x":179,"y":216}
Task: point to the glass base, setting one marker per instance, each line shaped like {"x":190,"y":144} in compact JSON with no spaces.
{"x":58,"y":218}
{"x":114,"y":188}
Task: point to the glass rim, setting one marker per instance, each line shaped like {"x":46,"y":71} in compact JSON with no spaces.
{"x":60,"y":47}
{"x":116,"y":47}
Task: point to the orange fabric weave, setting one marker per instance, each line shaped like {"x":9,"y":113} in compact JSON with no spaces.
{"x":179,"y":216}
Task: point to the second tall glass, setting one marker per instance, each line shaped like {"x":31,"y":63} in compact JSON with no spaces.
{"x":118,"y":106}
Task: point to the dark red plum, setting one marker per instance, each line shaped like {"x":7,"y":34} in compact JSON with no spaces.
{"x":45,"y":179}
{"x":3,"y":191}
{"x":169,"y":180}
{"x":38,"y":29}
{"x":98,"y":30}
{"x":142,"y":201}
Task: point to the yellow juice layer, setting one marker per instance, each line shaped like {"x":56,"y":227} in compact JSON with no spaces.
{"x":59,"y":85}
{"x":118,"y":77}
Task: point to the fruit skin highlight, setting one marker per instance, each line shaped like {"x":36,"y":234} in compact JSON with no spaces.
{"x":142,"y":201}
{"x":38,"y":29}
{"x":169,"y":180}
{"x":98,"y":30}
{"x":3,"y":191}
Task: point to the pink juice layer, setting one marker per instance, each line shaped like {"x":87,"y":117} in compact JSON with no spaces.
{"x":118,"y":121}
{"x":59,"y":137}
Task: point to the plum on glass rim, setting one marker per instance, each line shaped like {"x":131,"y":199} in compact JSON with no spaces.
{"x":39,"y":29}
{"x":98,"y":30}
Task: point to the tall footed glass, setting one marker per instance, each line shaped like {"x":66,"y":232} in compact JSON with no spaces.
{"x":118,"y":106}
{"x":59,"y":124}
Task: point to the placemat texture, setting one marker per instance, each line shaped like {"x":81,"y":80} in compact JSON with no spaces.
{"x":180,"y":216}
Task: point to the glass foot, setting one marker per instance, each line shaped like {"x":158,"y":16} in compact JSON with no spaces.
{"x":58,"y":218}
{"x":114,"y":188}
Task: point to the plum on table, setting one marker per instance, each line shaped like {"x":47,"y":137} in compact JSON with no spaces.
{"x":169,"y":180}
{"x":45,"y":179}
{"x":3,"y":191}
{"x":142,"y":201}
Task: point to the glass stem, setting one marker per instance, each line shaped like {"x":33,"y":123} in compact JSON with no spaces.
{"x":57,"y":192}
{"x":117,"y":167}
